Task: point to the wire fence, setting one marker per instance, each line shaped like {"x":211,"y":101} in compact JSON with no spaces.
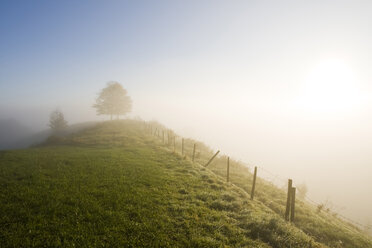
{"x":275,"y":178}
{"x":267,"y":175}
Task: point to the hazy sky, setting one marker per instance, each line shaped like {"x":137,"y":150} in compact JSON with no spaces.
{"x":285,"y":85}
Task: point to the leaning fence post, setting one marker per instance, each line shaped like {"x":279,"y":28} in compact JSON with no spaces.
{"x":193,"y":153}
{"x":163,"y":136}
{"x":288,"y":207}
{"x":254,"y":182}
{"x":293,"y":202}
{"x":228,"y":169}
{"x":210,"y":160}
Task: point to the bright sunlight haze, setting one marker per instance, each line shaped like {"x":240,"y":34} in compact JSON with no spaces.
{"x":283,"y":85}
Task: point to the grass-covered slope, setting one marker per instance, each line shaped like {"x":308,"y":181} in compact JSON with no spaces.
{"x":115,"y":185}
{"x":325,"y":227}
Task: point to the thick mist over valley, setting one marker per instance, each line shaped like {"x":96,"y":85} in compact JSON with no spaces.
{"x":270,"y":84}
{"x":327,"y":154}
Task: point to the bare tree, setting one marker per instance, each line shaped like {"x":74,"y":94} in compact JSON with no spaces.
{"x":57,"y":121}
{"x":113,"y":100}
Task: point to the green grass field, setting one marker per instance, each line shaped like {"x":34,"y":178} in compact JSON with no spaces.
{"x":115,"y":185}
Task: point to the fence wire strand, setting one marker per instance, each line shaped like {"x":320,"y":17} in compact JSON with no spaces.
{"x":315,"y":203}
{"x":280,"y":181}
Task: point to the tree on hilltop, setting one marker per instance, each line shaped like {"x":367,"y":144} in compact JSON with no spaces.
{"x":113,"y":100}
{"x":57,"y":121}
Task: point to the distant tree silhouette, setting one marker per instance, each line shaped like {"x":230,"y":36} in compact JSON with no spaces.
{"x":113,"y":100}
{"x":57,"y":121}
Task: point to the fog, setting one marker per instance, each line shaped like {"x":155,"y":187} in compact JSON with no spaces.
{"x":330,"y":152}
{"x":275,"y":86}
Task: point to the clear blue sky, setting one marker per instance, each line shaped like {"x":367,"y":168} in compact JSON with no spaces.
{"x":60,"y":53}
{"x":53,"y":45}
{"x":56,"y":52}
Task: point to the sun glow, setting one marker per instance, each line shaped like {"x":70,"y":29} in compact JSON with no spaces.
{"x":331,"y":87}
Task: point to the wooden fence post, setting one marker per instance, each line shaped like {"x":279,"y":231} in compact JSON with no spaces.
{"x":182,"y":146}
{"x":293,"y":203}
{"x":193,"y":153}
{"x":228,"y":169}
{"x":210,"y":160}
{"x":288,"y":207}
{"x":254,"y":182}
{"x":163,"y":136}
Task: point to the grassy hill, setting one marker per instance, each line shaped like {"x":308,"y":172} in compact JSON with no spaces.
{"x":116,"y":185}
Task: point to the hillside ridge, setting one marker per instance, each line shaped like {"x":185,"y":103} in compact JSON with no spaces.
{"x":118,"y":185}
